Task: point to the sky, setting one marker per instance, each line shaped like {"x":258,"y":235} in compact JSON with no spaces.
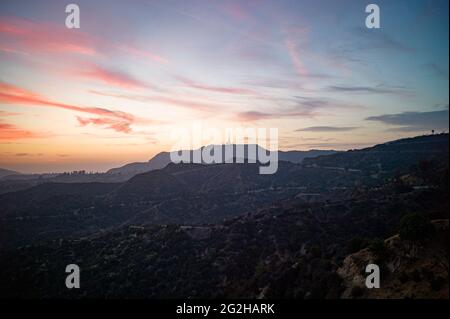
{"x":114,"y":90}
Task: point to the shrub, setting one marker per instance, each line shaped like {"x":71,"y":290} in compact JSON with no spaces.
{"x":415,"y":227}
{"x":316,"y":252}
{"x":403,"y":277}
{"x":357,"y":292}
{"x":379,"y":250}
{"x":437,"y":283}
{"x":356,"y":244}
{"x":416,"y":276}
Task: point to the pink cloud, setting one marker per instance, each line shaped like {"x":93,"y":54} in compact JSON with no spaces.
{"x":235,"y":10}
{"x":112,"y":119}
{"x":294,"y":53}
{"x":112,"y":77}
{"x":10,"y":94}
{"x":145,"y":54}
{"x":31,"y":37}
{"x":240,"y":10}
{"x":292,"y":41}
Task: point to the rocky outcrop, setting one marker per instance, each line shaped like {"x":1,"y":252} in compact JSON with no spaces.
{"x":408,"y":270}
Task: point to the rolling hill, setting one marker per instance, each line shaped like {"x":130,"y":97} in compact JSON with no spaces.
{"x":195,"y":194}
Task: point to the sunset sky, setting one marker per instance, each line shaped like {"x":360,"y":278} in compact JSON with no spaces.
{"x":112,"y":91}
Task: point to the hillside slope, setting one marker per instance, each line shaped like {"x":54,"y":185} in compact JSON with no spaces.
{"x":388,"y":158}
{"x":410,"y":270}
{"x":289,"y":249}
{"x":162,"y":159}
{"x":7,"y":172}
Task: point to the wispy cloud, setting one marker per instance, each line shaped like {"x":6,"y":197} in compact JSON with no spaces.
{"x":116,"y":120}
{"x":12,"y":51}
{"x":29,"y":36}
{"x":4,"y":113}
{"x":111,"y":123}
{"x":329,"y":146}
{"x":170,"y":100}
{"x":144,"y":54}
{"x":12,"y":132}
{"x":379,"y":40}
{"x":327,"y":129}
{"x":292,"y":41}
{"x":111,"y":77}
{"x":216,"y":89}
{"x":414,"y":121}
{"x":11,"y":94}
{"x":379,"y":89}
{"x":251,"y":116}
{"x":235,"y":10}
{"x":437,"y":70}
{"x":312,"y":103}
{"x":274,"y":83}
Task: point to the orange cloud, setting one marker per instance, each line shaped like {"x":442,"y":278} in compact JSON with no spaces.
{"x":11,"y":132}
{"x":114,"y":124}
{"x":4,"y":113}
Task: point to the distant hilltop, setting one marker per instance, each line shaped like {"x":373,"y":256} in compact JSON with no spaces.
{"x":377,"y":161}
{"x":162,"y":159}
{"x":7,"y":172}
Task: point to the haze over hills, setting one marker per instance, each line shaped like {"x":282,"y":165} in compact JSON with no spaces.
{"x":7,"y":172}
{"x":14,"y":181}
{"x":248,"y":235}
{"x":388,"y":157}
{"x":164,"y":158}
{"x":195,"y":193}
{"x":179,"y":193}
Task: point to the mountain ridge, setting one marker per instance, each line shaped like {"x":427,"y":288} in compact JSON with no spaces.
{"x":187,"y":194}
{"x":161,"y":159}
